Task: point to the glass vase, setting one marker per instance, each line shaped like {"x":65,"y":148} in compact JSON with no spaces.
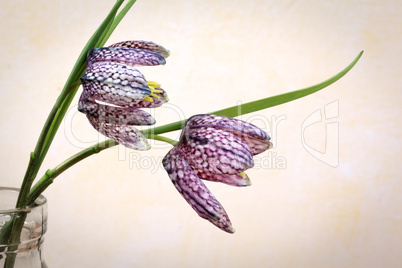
{"x":22,"y":232}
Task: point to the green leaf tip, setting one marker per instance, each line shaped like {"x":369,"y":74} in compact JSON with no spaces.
{"x":265,"y":103}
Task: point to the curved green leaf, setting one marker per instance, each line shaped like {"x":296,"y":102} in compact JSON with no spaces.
{"x":261,"y":104}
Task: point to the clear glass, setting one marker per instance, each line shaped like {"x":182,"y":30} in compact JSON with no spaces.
{"x":29,"y":252}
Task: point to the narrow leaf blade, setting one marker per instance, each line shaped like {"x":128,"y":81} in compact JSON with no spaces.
{"x":258,"y":105}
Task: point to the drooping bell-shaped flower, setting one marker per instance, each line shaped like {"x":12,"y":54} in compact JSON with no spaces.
{"x":114,"y":90}
{"x":214,"y":148}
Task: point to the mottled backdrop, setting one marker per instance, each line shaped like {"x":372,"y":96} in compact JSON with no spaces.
{"x":327,"y":195}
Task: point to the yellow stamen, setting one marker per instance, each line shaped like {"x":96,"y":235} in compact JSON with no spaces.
{"x":148,"y":99}
{"x":242,"y":174}
{"x":153,"y":90}
{"x":153,"y":84}
{"x":155,"y":96}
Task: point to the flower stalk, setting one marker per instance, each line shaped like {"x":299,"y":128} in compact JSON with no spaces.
{"x":51,"y":174}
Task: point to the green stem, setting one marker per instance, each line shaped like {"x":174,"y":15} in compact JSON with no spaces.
{"x":50,"y":175}
{"x":57,"y":122}
{"x":164,"y":139}
{"x":36,"y":157}
{"x":17,"y":223}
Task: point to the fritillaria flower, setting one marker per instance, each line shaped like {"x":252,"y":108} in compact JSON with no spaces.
{"x":213,"y":148}
{"x":114,"y":90}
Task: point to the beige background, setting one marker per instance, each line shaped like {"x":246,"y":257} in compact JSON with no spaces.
{"x":119,"y":208}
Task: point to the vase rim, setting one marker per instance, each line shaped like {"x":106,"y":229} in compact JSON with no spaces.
{"x":39,"y":202}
